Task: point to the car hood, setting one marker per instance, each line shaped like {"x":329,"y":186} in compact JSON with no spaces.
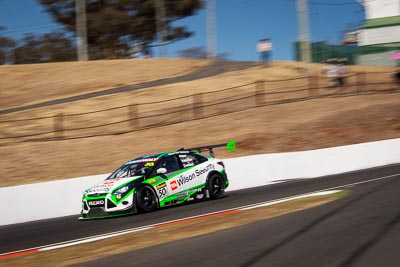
{"x":109,"y":185}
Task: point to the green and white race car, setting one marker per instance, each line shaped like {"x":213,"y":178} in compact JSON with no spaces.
{"x":150,"y":182}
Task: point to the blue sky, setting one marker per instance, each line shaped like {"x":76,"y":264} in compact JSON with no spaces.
{"x":240,"y":24}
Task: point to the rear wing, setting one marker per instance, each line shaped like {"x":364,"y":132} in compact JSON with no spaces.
{"x":230,"y":146}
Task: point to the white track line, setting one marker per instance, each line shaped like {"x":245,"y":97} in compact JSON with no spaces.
{"x":92,"y":239}
{"x":273,"y":202}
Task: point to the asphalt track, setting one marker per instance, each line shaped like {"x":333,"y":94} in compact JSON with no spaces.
{"x":213,"y":69}
{"x":359,"y":230}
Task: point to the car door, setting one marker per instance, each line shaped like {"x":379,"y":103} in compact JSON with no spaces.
{"x":193,"y":175}
{"x":180,"y":177}
{"x":184,"y":174}
{"x":169,"y":166}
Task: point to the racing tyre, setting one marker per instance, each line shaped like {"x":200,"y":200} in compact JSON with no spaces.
{"x":146,"y":199}
{"x":216,"y":186}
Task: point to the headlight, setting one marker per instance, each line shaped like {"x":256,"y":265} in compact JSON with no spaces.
{"x":122,"y":190}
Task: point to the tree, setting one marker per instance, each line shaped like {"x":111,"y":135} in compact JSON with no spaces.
{"x":113,"y":26}
{"x":6,"y":45}
{"x":49,"y":47}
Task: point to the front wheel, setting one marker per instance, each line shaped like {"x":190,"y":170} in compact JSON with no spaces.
{"x":216,"y":186}
{"x":146,"y":199}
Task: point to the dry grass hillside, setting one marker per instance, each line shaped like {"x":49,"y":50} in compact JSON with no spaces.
{"x":338,"y":117}
{"x":28,"y":84}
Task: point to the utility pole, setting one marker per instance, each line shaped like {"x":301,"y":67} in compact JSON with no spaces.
{"x":211,"y":29}
{"x":304,"y":36}
{"x":81,"y":31}
{"x":160,"y":20}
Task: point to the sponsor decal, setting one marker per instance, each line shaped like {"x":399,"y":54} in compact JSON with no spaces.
{"x":161,"y":185}
{"x":162,"y":190}
{"x":152,"y":180}
{"x":101,"y":188}
{"x":94,"y":203}
{"x":111,"y":181}
{"x":174,"y":186}
{"x":149,"y":164}
{"x":185,"y":178}
{"x":209,"y":167}
{"x":187,"y":164}
{"x":187,"y":160}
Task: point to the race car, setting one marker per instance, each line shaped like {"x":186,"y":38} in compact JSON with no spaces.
{"x":156,"y":181}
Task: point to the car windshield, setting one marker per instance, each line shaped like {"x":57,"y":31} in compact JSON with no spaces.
{"x":134,"y":168}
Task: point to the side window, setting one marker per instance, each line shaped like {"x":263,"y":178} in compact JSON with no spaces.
{"x":188,"y":160}
{"x":200,"y":158}
{"x":170,"y":163}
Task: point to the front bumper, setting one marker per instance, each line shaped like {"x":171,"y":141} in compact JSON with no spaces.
{"x":97,"y":207}
{"x":100,"y":213}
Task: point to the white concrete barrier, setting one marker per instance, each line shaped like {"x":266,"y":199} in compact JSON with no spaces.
{"x":256,"y":170}
{"x":62,"y":198}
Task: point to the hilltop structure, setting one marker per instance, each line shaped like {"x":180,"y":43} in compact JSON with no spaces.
{"x":379,"y":36}
{"x":371,"y":44}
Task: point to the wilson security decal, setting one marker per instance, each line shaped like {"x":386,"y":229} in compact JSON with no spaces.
{"x":185,"y":180}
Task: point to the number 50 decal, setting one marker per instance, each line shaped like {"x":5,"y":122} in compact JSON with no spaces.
{"x":162,"y":190}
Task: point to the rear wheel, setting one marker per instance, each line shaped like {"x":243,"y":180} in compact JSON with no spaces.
{"x":146,"y":199}
{"x":216,"y":186}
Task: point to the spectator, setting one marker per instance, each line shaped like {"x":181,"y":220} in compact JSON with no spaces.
{"x":264,"y":48}
{"x":342,"y":71}
{"x":331,"y":73}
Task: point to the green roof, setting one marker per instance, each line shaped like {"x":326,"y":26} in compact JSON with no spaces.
{"x":379,"y":48}
{"x":381,"y":22}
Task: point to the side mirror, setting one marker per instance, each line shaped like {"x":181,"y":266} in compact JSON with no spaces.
{"x":161,"y":171}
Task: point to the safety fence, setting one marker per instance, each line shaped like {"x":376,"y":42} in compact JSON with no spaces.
{"x":141,"y":116}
